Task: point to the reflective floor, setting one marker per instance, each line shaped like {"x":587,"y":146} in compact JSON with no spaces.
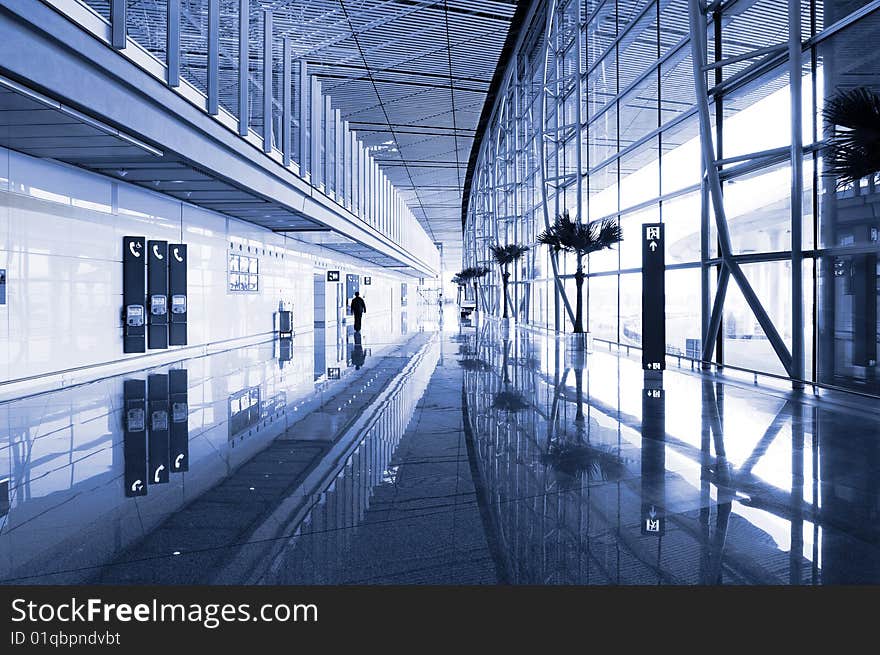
{"x":439,"y":453}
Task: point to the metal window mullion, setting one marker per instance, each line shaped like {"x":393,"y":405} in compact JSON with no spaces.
{"x":267,"y":80}
{"x":349,"y":166}
{"x":213,"y":62}
{"x":118,"y":23}
{"x":329,"y":147}
{"x":316,"y":134}
{"x":287,"y":101}
{"x":304,"y":146}
{"x":797,"y":190}
{"x":338,"y":160}
{"x":243,"y":57}
{"x":172,"y":43}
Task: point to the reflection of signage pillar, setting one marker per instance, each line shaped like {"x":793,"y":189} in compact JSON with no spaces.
{"x":653,"y":516}
{"x":177,"y":293}
{"x":179,"y":438}
{"x":134,"y":443}
{"x":653,"y":298}
{"x":158,"y":420}
{"x":134,"y":317}
{"x":157,"y":292}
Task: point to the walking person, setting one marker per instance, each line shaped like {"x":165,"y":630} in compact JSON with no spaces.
{"x":358,"y":308}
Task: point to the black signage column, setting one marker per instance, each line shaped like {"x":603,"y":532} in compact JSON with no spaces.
{"x":653,"y":298}
{"x":177,"y":292}
{"x":157,"y":290}
{"x":133,"y":294}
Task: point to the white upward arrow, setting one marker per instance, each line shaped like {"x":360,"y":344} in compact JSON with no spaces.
{"x":653,"y":246}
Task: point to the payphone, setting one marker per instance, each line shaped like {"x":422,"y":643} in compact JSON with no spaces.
{"x":133,"y":294}
{"x":177,"y":291}
{"x":157,"y":292}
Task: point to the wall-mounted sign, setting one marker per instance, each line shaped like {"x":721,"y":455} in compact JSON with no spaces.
{"x":333,"y":373}
{"x":368,"y":281}
{"x":333,"y":276}
{"x":653,"y":298}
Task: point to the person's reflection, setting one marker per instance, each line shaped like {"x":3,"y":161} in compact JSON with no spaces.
{"x":358,"y":356}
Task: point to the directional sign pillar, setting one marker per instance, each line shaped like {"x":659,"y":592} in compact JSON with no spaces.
{"x":653,"y":298}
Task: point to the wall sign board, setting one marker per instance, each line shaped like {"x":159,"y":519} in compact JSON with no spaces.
{"x":157,"y":294}
{"x":135,"y":437}
{"x":177,"y":297}
{"x":134,"y":313}
{"x":653,"y":298}
{"x":333,"y":276}
{"x":158,"y":422}
{"x":367,"y":280}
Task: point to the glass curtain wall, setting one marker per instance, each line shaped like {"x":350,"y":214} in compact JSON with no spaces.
{"x":603,"y":93}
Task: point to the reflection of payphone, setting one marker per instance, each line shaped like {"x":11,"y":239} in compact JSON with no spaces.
{"x":159,"y":445}
{"x":135,"y":437}
{"x":179,"y":429}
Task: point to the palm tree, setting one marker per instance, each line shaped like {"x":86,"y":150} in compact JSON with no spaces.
{"x":582,"y":239}
{"x":473,"y":274}
{"x":505,"y":256}
{"x":854,"y":151}
{"x":459,"y":283}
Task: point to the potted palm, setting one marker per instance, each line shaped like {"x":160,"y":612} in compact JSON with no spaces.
{"x":582,"y":239}
{"x":504,"y":257}
{"x":853,"y":150}
{"x":473,"y":274}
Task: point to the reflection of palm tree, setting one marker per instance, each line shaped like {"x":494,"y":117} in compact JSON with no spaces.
{"x":578,"y":460}
{"x":509,"y":401}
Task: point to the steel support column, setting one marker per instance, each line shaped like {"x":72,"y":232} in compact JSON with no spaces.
{"x":698,"y":55}
{"x":797,"y":193}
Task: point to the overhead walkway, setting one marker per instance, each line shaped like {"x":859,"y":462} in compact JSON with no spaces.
{"x":71,"y":89}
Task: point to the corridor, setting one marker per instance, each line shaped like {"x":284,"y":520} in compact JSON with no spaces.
{"x":454,"y":455}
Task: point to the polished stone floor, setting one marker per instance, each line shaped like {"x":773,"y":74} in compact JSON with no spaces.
{"x":445,"y":454}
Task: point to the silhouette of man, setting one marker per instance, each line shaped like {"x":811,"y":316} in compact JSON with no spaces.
{"x":358,"y":308}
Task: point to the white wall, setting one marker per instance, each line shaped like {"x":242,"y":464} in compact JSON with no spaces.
{"x":61,"y":233}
